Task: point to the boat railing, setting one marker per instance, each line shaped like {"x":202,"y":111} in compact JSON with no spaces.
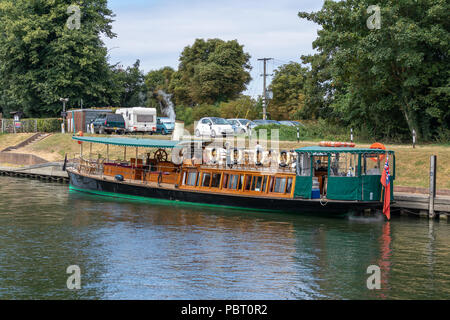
{"x":252,"y":167}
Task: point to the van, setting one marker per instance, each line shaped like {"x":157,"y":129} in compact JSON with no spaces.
{"x":109,"y":123}
{"x":139,"y":119}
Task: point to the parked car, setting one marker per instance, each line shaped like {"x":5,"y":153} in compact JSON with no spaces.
{"x":164,"y":126}
{"x":139,"y":119}
{"x":266,"y":122}
{"x":297,"y":124}
{"x":287,"y":123}
{"x":213,"y":126}
{"x":241,"y":125}
{"x":109,"y":123}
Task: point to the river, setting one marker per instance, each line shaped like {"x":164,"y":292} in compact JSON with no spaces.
{"x":144,"y":250}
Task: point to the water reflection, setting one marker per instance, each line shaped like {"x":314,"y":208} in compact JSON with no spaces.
{"x":146,"y":250}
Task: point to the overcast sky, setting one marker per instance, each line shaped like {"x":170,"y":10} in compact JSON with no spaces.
{"x":156,"y":31}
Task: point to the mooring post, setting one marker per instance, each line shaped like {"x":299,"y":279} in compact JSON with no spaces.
{"x":433,"y":162}
{"x":351,"y":135}
{"x":298,"y":134}
{"x":414,"y":138}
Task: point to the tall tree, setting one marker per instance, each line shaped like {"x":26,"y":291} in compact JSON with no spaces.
{"x":392,"y":78}
{"x":43,"y":57}
{"x":211,"y":71}
{"x":131,"y":86}
{"x":288,"y":86}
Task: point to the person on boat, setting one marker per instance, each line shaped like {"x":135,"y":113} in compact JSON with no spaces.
{"x":259,"y":151}
{"x":283,"y":159}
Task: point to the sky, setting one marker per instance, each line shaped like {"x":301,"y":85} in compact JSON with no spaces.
{"x":157,"y":31}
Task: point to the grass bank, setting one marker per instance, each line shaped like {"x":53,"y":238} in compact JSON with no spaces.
{"x":412,"y":164}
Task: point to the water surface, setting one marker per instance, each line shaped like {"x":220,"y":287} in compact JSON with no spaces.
{"x":145,"y":250}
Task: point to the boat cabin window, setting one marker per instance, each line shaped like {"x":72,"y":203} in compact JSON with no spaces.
{"x":372,"y":164}
{"x":206,"y":179}
{"x":278,"y":185}
{"x":344,"y":165}
{"x":226,"y":178}
{"x":234,"y":182}
{"x":191,"y":179}
{"x":215,"y":182}
{"x":304,"y":165}
{"x":248,"y":182}
{"x":257,"y":184}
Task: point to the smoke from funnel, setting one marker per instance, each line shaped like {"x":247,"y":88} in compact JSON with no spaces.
{"x":168,"y":107}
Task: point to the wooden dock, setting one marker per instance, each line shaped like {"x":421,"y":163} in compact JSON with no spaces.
{"x":51,"y":172}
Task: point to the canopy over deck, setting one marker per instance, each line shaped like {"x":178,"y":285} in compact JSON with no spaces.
{"x":131,"y":142}
{"x":330,"y":150}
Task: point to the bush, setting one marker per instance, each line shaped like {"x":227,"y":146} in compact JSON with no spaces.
{"x":49,"y":125}
{"x":184,"y":114}
{"x":205,"y":110}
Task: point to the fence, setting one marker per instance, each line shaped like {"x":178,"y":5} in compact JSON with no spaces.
{"x":30,"y":125}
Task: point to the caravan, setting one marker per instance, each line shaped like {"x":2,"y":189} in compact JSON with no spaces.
{"x":139,"y":119}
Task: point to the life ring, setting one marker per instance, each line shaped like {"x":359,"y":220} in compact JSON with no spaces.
{"x":80,"y":134}
{"x":281,"y":161}
{"x":378,"y":146}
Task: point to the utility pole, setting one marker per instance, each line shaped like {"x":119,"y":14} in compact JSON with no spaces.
{"x":265,"y":89}
{"x":64,"y":114}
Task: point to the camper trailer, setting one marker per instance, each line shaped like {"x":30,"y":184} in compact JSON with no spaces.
{"x":139,"y":119}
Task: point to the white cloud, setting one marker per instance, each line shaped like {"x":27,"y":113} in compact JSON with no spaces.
{"x":157,"y":31}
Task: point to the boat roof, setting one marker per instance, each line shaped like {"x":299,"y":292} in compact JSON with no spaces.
{"x":133,"y":142}
{"x":329,"y":150}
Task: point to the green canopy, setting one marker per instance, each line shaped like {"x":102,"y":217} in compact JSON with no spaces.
{"x":131,"y":142}
{"x":329,"y":150}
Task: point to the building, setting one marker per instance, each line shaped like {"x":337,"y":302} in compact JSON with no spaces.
{"x":79,"y":120}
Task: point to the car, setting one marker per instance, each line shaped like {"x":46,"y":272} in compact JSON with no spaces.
{"x":213,"y":126}
{"x":109,"y":123}
{"x":241,"y":125}
{"x":297,"y":124}
{"x":287,"y":123}
{"x":266,"y":122}
{"x":164,"y":126}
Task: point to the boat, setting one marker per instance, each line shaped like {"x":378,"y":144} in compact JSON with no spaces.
{"x":315,"y":179}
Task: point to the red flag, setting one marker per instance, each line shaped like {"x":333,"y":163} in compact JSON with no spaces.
{"x":386,"y":182}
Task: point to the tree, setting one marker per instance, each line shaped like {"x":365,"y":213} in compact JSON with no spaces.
{"x":243,"y":107}
{"x":155,"y":81}
{"x":41,"y":59}
{"x":288,"y":86}
{"x":211,"y":71}
{"x":131,"y":85}
{"x":390,"y":80}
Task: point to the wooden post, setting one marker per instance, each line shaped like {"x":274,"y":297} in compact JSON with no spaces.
{"x":90,"y":150}
{"x":125,"y":154}
{"x":433,"y":163}
{"x":107,"y":152}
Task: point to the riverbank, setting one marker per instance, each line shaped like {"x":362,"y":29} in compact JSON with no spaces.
{"x":412,"y":164}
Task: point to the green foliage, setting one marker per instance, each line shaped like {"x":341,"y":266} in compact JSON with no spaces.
{"x":49,"y":125}
{"x":388,"y":81}
{"x":185,"y":114}
{"x":130,"y":86}
{"x":211,"y":71}
{"x":205,"y":110}
{"x":157,"y":80}
{"x":42,"y":60}
{"x":288,"y":91}
{"x":243,"y":107}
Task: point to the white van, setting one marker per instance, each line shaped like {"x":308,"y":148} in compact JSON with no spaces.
{"x":139,"y":119}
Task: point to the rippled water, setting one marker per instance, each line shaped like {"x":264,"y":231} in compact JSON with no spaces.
{"x":145,"y":250}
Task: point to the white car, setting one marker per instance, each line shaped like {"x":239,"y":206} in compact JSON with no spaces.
{"x":241,"y":125}
{"x":213,"y":127}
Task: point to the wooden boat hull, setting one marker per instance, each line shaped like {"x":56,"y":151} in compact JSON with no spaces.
{"x":100,"y":186}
